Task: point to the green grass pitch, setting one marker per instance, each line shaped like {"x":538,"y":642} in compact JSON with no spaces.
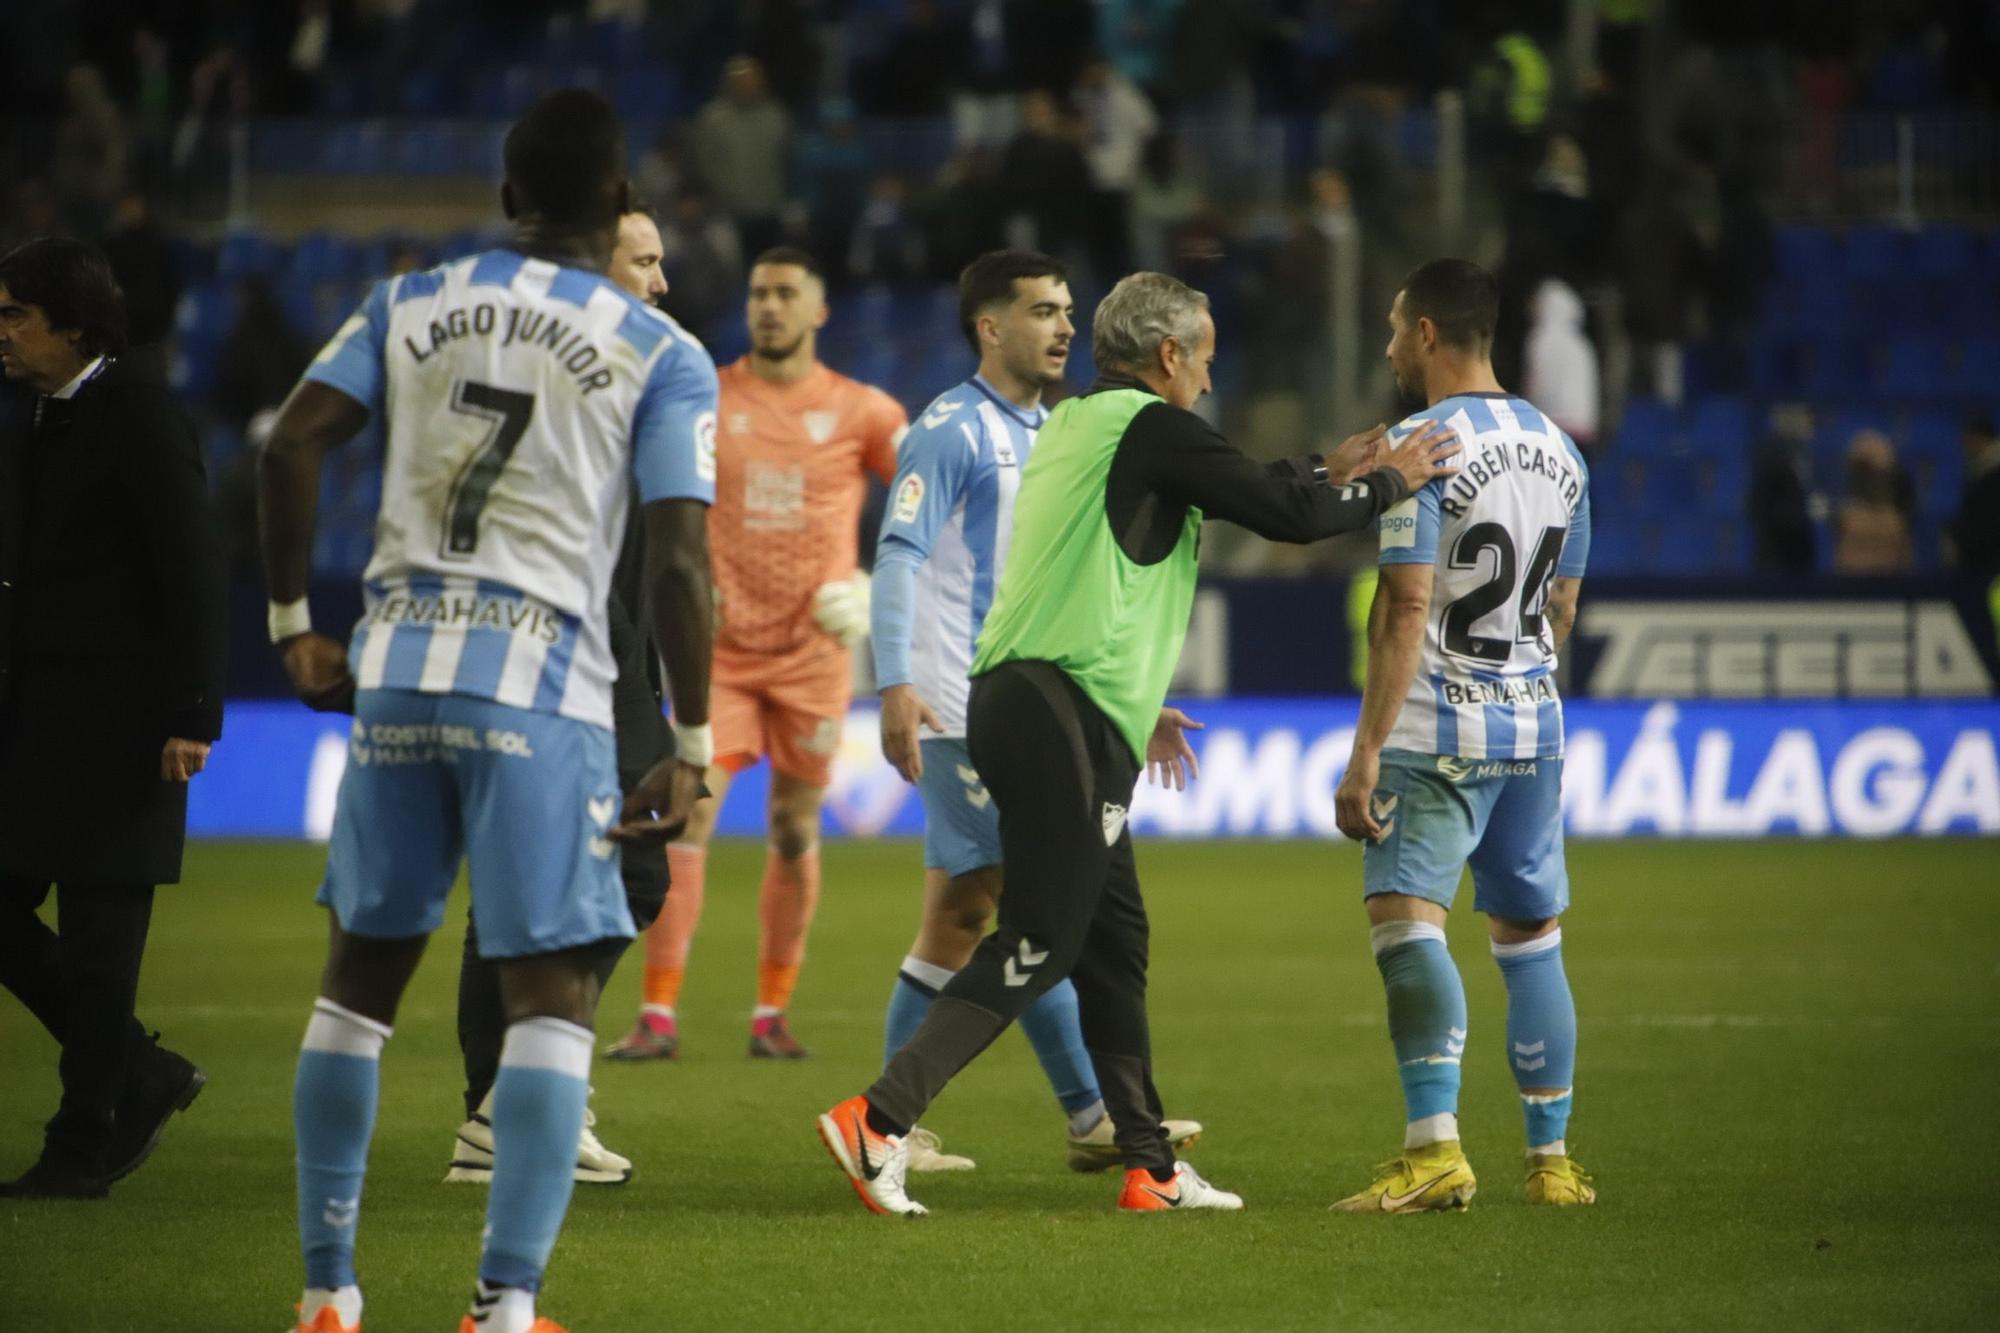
{"x":1788,"y":1060}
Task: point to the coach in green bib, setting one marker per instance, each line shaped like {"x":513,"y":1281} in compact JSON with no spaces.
{"x":1068,"y":682}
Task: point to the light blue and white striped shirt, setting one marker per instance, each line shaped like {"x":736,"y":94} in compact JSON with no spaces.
{"x":944,"y":541}
{"x":520,"y":399}
{"x":1516,"y":516}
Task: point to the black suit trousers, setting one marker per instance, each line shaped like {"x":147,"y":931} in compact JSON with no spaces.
{"x":81,"y":981}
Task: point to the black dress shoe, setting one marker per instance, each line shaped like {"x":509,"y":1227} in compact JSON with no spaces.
{"x":53,"y":1178}
{"x":162,"y":1082}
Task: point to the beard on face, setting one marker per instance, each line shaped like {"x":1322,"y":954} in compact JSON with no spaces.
{"x":774,"y":353}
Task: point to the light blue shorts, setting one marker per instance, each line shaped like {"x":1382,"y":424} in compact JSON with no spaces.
{"x":525,"y":796}
{"x":1503,"y":817}
{"x":961,"y":823}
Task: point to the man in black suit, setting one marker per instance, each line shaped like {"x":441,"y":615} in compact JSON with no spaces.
{"x":110,"y":694}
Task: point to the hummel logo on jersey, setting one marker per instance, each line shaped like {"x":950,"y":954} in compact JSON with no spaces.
{"x":341,"y":1212}
{"x":819,"y":425}
{"x":938,"y":415}
{"x":1114,"y":822}
{"x":976,"y":794}
{"x":1029,"y":960}
{"x":601,"y":810}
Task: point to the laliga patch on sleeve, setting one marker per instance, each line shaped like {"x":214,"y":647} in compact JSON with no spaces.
{"x":910,"y":498}
{"x":1399,"y":526}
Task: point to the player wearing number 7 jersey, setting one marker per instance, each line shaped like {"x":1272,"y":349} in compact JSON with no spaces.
{"x":523,"y":396}
{"x":1458,"y":753}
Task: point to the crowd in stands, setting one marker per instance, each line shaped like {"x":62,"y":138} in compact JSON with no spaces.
{"x":1760,"y":389}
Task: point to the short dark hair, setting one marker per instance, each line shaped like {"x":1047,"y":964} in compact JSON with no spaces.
{"x":563,"y":157}
{"x":1456,"y":295}
{"x":642,"y":206}
{"x":991,"y":278}
{"x":793,"y":255}
{"x":71,"y":282}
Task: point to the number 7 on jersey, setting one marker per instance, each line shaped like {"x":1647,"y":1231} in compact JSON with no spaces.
{"x":507,"y":414}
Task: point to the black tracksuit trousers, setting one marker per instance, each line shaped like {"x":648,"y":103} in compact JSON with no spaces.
{"x":1062,"y":778}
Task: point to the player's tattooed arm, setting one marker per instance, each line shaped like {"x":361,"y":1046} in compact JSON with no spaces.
{"x":1561,"y":609}
{"x":314,"y":420}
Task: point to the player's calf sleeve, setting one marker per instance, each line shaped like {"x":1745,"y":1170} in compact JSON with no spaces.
{"x":672,"y":932}
{"x":333,"y":1116}
{"x":1541,"y":1034}
{"x":1426,"y":1024}
{"x":917,"y":984}
{"x":1055,"y":1030}
{"x":785,"y":906}
{"x":538,"y":1105}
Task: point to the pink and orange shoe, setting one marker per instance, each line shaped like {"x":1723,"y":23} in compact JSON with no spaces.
{"x":772,"y":1039}
{"x":653,"y":1037}
{"x":876,"y":1164}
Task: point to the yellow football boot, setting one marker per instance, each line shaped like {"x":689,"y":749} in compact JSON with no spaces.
{"x":1433,"y":1178}
{"x":1557,"y":1180}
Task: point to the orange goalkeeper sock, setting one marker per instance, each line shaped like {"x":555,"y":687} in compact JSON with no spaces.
{"x":669,"y":937}
{"x":785,"y":911}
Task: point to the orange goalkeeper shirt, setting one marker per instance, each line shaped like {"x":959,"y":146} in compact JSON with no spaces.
{"x":790,"y":476}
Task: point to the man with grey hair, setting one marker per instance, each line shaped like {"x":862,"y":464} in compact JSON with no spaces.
{"x":1069,"y":680}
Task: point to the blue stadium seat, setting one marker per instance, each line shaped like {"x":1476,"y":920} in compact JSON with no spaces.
{"x":323,"y":256}
{"x":1948,"y":252}
{"x":1940,"y":481}
{"x":1807,"y":254}
{"x":1915,"y":368}
{"x":1813,"y":309}
{"x":1616,"y":548}
{"x":1777,"y":368}
{"x":1648,"y":428}
{"x":1722,"y":484}
{"x":247,"y":253}
{"x":1835,"y":370}
{"x":1979,"y":368}
{"x":1720,"y":426}
{"x":645,"y":97}
{"x":1876,"y":253}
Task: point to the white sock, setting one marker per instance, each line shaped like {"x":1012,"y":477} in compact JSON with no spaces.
{"x":665,"y":1011}
{"x":346,"y":1302}
{"x":502,"y":1309}
{"x":765,"y":1011}
{"x":1439,"y":1128}
{"x":1082,"y":1122}
{"x":1556,"y":1149}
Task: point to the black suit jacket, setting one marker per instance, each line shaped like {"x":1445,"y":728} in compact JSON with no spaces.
{"x":111,"y":629}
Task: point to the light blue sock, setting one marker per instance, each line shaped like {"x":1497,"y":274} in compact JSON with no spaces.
{"x":1541,"y":1034}
{"x":538,"y":1104}
{"x":333,"y":1117}
{"x":1426,"y":1024}
{"x":917,"y":984}
{"x":1055,"y":1030}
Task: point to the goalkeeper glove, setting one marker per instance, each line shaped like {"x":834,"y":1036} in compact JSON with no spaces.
{"x":841,"y":609}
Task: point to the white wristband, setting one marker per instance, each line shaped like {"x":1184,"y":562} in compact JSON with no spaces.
{"x":694,"y":745}
{"x":286,"y":619}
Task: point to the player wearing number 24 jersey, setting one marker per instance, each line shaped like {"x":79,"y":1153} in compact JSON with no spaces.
{"x":1458,"y":752}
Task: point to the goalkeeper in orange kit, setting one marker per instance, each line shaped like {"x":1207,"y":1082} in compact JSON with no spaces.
{"x":795,"y":443}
